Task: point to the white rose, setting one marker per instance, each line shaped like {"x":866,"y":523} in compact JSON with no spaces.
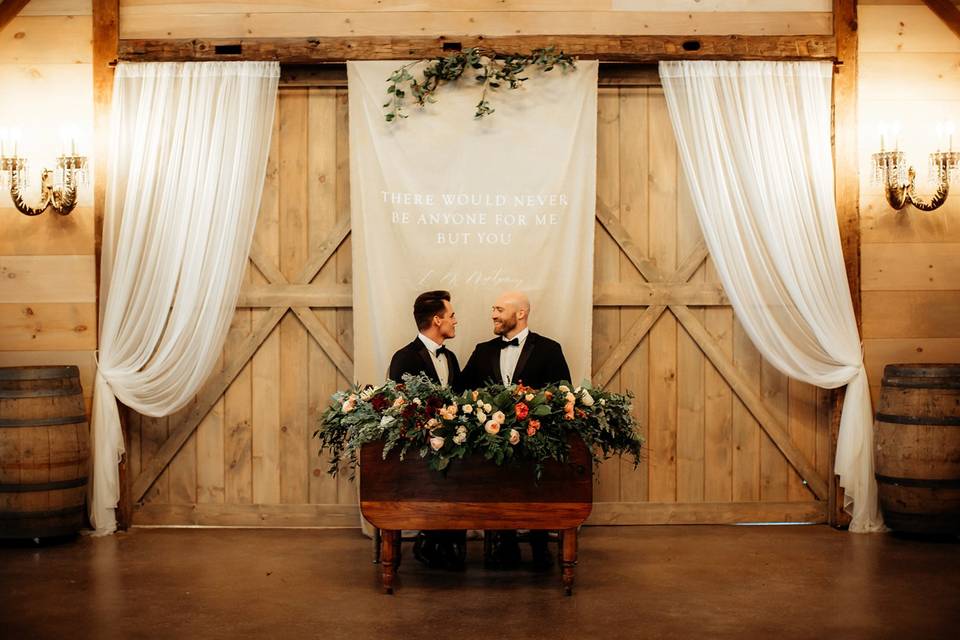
{"x":467,"y":408}
{"x":487,"y":408}
{"x":570,"y":397}
{"x":460,"y":438}
{"x":432,"y":423}
{"x":514,"y":436}
{"x":492,"y":427}
{"x":564,"y":388}
{"x":586,"y":399}
{"x":416,"y":401}
{"x":603,"y":401}
{"x":528,"y":397}
{"x":499,"y":417}
{"x":481,"y":416}
{"x":385,"y":421}
{"x":436,"y":443}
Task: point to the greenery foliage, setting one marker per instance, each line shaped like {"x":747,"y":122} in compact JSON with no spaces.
{"x":501,"y":423}
{"x":493,"y":71}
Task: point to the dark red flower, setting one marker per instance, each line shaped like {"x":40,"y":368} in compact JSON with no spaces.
{"x":379,"y":402}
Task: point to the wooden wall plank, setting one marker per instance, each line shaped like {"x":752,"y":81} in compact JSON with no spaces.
{"x":237,"y":462}
{"x":293,"y":256}
{"x":918,"y":75}
{"x":910,"y":266}
{"x":906,"y":29}
{"x":718,"y":407}
{"x":46,"y":235}
{"x":322,"y":163}
{"x":634,"y":161}
{"x":347,"y":489}
{"x":746,"y":430}
{"x":663,"y":336}
{"x":46,"y":40}
{"x":47,"y":279}
{"x":910,"y":314}
{"x":378,"y":6}
{"x":488,"y":23}
{"x":210,"y":449}
{"x":182,"y":471}
{"x":48,"y":327}
{"x":606,"y":322}
{"x":691,"y":382}
{"x":802,"y":426}
{"x":882,"y":224}
{"x":58,"y":8}
{"x":773,"y":466}
{"x":153,"y":433}
{"x":265,"y":410}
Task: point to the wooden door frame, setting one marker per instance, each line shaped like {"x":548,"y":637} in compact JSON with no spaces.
{"x":299,"y":296}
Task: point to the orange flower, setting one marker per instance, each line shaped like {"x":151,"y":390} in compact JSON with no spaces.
{"x":534,"y":424}
{"x":522,"y":411}
{"x":568,"y":411}
{"x":548,"y":395}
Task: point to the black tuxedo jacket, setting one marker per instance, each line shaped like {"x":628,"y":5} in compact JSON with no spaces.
{"x":415,"y":358}
{"x":541,"y":363}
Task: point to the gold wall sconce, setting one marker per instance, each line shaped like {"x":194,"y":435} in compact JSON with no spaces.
{"x":58,"y":187}
{"x":890,"y":169}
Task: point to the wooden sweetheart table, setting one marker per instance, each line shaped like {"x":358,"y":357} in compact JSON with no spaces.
{"x":474,"y":494}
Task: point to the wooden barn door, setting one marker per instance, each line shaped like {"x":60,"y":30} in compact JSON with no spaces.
{"x":729,"y":438}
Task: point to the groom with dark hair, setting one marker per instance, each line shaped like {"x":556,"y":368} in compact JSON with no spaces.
{"x":436,"y":322}
{"x":515,"y":356}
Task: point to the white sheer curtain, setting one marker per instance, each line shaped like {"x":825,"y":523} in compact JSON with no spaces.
{"x":188,"y":154}
{"x":754,"y":140}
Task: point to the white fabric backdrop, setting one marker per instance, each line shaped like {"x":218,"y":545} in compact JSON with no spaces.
{"x":754,"y":140}
{"x":188,"y":154}
{"x":536,"y":156}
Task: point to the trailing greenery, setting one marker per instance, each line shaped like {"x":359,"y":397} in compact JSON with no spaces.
{"x":501,"y":423}
{"x":493,"y":70}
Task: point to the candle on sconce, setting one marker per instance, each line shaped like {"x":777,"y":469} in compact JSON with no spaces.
{"x":882,"y":128}
{"x":895,"y":132}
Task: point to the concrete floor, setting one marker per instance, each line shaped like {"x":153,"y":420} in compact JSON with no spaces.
{"x":632,"y":582}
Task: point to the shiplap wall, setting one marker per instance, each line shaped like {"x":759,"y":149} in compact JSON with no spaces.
{"x":47,"y":271}
{"x":909,"y":72}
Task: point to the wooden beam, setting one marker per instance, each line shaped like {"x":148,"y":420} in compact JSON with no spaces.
{"x":753,"y":402}
{"x":588,"y":47}
{"x":208,"y":396}
{"x":628,"y":343}
{"x":946,"y":11}
{"x":9,"y":10}
{"x":635,"y":513}
{"x":106,"y":35}
{"x":645,"y":294}
{"x":327,"y":342}
{"x":249,"y":515}
{"x":337,"y":296}
{"x":847,"y":194}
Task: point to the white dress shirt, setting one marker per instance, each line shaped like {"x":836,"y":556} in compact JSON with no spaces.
{"x":439,"y":362}
{"x":510,"y":355}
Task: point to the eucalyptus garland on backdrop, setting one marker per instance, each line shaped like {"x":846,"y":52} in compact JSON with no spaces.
{"x":494,"y":70}
{"x":501,"y":423}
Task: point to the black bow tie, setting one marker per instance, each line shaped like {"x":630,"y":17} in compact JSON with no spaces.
{"x":507,"y":343}
{"x":442,"y":350}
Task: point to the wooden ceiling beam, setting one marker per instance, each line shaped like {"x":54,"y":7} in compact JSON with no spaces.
{"x":638,"y":49}
{"x":9,"y":10}
{"x":946,"y":11}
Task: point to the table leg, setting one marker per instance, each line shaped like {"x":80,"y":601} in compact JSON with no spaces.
{"x":569,"y":558}
{"x":388,"y":560}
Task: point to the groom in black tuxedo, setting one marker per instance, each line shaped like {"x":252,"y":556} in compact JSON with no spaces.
{"x":515,"y":356}
{"x":436,"y":323}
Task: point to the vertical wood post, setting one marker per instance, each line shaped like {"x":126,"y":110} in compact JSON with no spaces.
{"x":106,"y":36}
{"x":847,"y":198}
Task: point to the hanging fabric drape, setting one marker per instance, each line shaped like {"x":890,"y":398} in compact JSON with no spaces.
{"x":754,"y":140}
{"x":188,"y":154}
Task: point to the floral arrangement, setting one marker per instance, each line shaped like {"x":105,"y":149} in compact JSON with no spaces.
{"x":501,"y":423}
{"x":493,"y":70}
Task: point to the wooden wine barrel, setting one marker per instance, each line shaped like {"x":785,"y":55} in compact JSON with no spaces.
{"x":44,"y":452}
{"x":917,"y":443}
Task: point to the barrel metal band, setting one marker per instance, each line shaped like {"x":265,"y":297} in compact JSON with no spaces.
{"x":45,"y":486}
{"x":920,"y":383}
{"x":40,"y":422}
{"x":53,"y":513}
{"x":933,"y":421}
{"x":949,"y":483}
{"x":73,"y":390}
{"x":39,"y":373}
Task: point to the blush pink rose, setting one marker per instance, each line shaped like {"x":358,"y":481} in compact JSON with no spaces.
{"x":492,"y":427}
{"x":514,"y":436}
{"x":436,"y":443}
